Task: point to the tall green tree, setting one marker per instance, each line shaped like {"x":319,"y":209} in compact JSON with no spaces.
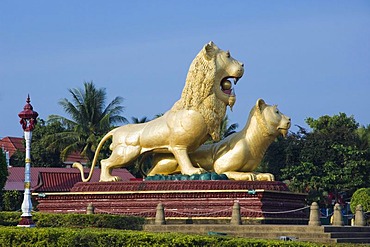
{"x":41,"y":155}
{"x":3,"y":176}
{"x":330,"y":159}
{"x":281,"y":152}
{"x":364,"y":135}
{"x":3,"y":170}
{"x":18,"y":159}
{"x":90,"y":119}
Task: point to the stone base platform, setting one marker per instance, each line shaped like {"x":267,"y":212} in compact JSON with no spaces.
{"x":192,"y":201}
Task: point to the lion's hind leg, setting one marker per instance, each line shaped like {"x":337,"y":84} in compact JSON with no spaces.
{"x":164,"y":164}
{"x":121,"y":156}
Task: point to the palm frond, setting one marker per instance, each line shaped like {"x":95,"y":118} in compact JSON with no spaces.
{"x":89,"y":120}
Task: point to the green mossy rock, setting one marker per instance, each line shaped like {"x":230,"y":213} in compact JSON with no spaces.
{"x":178,"y":177}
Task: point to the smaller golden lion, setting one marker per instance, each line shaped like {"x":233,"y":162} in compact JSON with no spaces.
{"x":239,"y":154}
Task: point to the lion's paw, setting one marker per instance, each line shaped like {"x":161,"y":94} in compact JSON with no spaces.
{"x":246,"y":176}
{"x":110,"y":179}
{"x":194,"y":171}
{"x":265,"y":177}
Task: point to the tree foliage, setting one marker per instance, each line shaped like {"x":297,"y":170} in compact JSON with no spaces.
{"x":18,"y":159}
{"x":90,"y":119}
{"x":41,"y":155}
{"x":3,"y":170}
{"x":364,"y":136}
{"x":136,"y":120}
{"x":281,"y":152}
{"x":3,"y":176}
{"x":12,"y":200}
{"x":333,"y":158}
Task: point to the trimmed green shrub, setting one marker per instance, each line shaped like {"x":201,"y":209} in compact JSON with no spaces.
{"x":361,"y":196}
{"x":14,"y":236}
{"x":89,"y":220}
{"x":76,"y":220}
{"x":9,"y":218}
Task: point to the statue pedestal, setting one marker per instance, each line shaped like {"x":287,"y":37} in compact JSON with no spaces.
{"x":184,"y":201}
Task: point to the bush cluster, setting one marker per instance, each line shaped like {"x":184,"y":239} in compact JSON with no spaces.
{"x":13,"y":236}
{"x":361,"y":196}
{"x":76,"y":220}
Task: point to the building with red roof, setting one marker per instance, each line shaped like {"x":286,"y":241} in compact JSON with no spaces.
{"x":11,"y":144}
{"x":50,"y":179}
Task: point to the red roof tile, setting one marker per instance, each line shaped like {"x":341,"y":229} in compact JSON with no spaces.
{"x":75,"y":157}
{"x":12,"y":144}
{"x":54,"y":179}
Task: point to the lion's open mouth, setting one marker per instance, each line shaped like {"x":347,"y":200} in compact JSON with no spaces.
{"x":283,"y":131}
{"x":227,"y":86}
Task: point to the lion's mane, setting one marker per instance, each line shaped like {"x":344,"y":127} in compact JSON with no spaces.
{"x":198,"y":94}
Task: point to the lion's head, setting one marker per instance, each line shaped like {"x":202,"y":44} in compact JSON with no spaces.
{"x":208,"y":88}
{"x":270,"y":120}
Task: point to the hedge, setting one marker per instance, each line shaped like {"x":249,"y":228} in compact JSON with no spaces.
{"x":22,"y":237}
{"x":76,"y":220}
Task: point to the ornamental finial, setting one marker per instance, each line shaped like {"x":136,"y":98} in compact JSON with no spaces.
{"x":28,"y":116}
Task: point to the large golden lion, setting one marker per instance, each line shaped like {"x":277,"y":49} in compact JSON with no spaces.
{"x":187,"y":125}
{"x":239,"y":154}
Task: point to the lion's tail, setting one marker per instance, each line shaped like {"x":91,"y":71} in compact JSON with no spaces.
{"x":79,"y":166}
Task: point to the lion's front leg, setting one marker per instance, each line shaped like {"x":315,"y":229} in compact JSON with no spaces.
{"x":184,"y":162}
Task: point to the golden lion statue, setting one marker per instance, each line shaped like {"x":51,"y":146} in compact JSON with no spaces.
{"x":239,"y":154}
{"x":187,"y":125}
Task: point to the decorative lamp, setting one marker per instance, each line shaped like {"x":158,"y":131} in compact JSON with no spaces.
{"x":28,"y":121}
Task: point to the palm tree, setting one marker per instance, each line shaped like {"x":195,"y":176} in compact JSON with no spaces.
{"x":227,"y":129}
{"x":90,"y":119}
{"x":136,"y":120}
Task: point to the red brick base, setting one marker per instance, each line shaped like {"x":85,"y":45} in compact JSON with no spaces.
{"x":266,"y":201}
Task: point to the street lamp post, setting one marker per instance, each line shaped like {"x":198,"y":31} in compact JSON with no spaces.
{"x":28,"y":121}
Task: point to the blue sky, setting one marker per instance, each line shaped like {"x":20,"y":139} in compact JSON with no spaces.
{"x":312,"y":58}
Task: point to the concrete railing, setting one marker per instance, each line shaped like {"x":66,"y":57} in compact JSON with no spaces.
{"x":314,"y":220}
